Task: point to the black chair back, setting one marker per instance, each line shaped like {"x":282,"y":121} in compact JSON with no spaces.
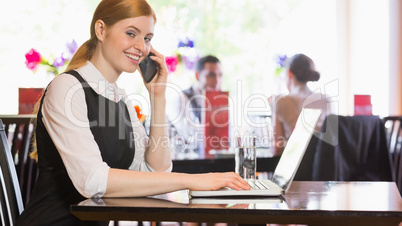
{"x":393,"y":126}
{"x":348,"y":148}
{"x":10,"y":194}
{"x":19,"y":131}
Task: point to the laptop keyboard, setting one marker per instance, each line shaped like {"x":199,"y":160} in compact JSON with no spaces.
{"x":257,"y":185}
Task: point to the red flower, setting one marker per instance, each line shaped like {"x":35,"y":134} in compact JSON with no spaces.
{"x":171,"y":63}
{"x":33,"y":58}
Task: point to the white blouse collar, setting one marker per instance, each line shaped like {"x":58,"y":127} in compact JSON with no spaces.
{"x":99,"y":84}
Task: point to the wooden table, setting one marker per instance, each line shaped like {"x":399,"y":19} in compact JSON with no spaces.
{"x":312,"y":203}
{"x":19,"y":119}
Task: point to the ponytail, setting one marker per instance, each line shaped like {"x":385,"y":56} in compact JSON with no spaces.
{"x":83,"y":54}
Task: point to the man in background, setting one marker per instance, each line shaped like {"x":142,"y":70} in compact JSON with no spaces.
{"x":184,"y":112}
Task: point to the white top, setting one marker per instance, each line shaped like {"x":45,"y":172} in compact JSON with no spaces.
{"x":64,"y":113}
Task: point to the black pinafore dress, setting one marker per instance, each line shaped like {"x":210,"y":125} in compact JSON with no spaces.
{"x":54,"y":192}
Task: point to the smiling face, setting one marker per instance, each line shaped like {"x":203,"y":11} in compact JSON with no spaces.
{"x":123,"y":45}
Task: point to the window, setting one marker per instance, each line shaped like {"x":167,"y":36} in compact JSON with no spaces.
{"x":348,"y":41}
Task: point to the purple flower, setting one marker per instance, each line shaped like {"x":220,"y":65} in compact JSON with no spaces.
{"x":72,"y":46}
{"x":189,"y":62}
{"x":187,"y":42}
{"x":59,"y":61}
{"x":181,"y":44}
{"x":190,"y":43}
{"x":189,"y":57}
{"x":280,"y":60}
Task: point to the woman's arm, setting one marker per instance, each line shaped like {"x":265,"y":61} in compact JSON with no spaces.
{"x":279,"y":137}
{"x":64,"y":113}
{"x":279,"y":127}
{"x":158,"y":154}
{"x":127,"y":183}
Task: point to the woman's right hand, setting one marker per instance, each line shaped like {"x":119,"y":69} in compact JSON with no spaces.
{"x":158,"y":85}
{"x":215,"y":181}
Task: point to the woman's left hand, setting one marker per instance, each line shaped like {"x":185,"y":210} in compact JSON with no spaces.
{"x":157,"y":86}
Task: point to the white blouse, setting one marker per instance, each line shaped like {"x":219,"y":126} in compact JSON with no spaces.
{"x":64,"y":113}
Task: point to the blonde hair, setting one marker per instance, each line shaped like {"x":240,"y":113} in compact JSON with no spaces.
{"x":110,"y":12}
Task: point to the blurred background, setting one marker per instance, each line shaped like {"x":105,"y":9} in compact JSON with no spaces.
{"x":355,"y":44}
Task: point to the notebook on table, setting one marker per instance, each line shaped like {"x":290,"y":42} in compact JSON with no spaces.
{"x":249,"y":202}
{"x":287,"y":165}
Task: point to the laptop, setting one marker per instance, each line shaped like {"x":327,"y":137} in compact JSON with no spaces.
{"x":287,"y":165}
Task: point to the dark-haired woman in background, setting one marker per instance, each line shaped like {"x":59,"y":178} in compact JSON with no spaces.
{"x":299,"y":70}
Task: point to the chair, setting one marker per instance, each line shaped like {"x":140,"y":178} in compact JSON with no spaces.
{"x":11,"y":205}
{"x":19,"y":130}
{"x":350,"y":148}
{"x":393,"y":126}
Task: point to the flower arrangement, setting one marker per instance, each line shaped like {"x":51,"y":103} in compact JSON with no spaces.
{"x":141,"y":117}
{"x":280,"y":61}
{"x":186,"y":54}
{"x":54,"y":65}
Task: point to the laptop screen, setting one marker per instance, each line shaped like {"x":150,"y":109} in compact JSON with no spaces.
{"x":295,"y":148}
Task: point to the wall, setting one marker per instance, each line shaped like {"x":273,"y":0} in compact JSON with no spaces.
{"x":395,"y":76}
{"x":364,"y":53}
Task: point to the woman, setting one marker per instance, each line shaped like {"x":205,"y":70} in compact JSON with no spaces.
{"x":87,"y":132}
{"x":300,"y":69}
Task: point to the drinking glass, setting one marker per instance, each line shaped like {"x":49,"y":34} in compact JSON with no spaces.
{"x":245,"y":156}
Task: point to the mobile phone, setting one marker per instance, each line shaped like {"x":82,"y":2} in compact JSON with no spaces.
{"x":149,"y":68}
